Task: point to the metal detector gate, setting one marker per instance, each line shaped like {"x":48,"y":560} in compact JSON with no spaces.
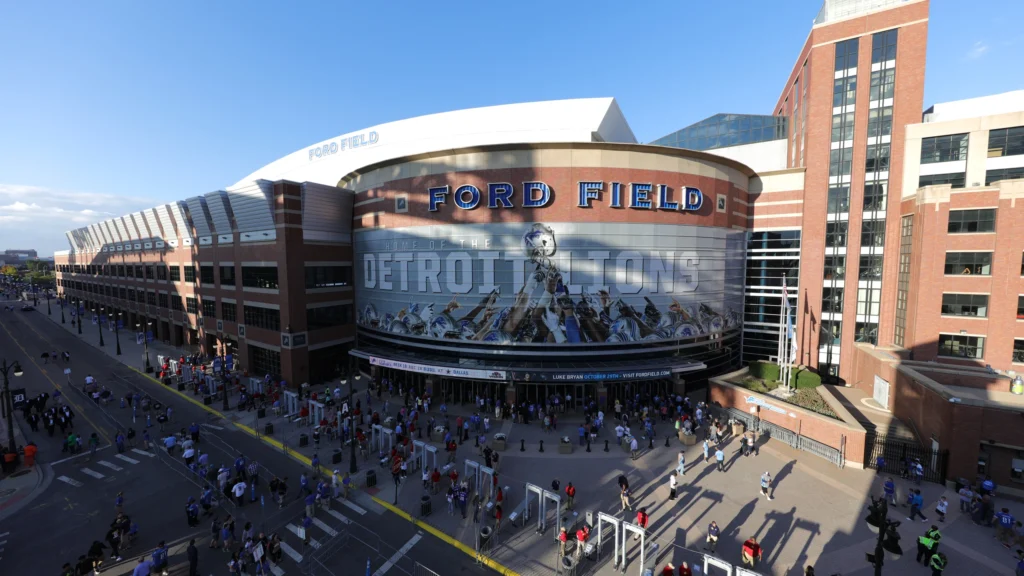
{"x":422,"y":455}
{"x":291,"y":403}
{"x":626,"y":529}
{"x":602,"y":519}
{"x":378,"y":434}
{"x":712,"y":562}
{"x":316,"y":413}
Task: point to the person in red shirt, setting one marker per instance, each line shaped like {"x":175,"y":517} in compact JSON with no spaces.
{"x":454,"y":476}
{"x":668,"y":570}
{"x":581,"y":540}
{"x":563,"y":538}
{"x":435,"y":480}
{"x":684,"y":570}
{"x":641,"y":520}
{"x":751,"y":552}
{"x":570,"y":493}
{"x":497,"y":517}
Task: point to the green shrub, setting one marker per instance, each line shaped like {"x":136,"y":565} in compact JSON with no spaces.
{"x":764,"y":370}
{"x":806,"y":379}
{"x":810,"y":399}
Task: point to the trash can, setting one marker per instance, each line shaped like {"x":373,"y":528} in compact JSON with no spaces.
{"x":181,"y":386}
{"x":485,"y":536}
{"x":336,"y":457}
{"x":207,"y":400}
{"x":268,"y":429}
{"x":568,"y":564}
{"x":371,"y":478}
{"x":261,"y":412}
{"x":303,"y":440}
{"x":424,"y":505}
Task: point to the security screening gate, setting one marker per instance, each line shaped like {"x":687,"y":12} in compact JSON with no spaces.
{"x":542,"y":497}
{"x":316,"y":413}
{"x":291,"y":403}
{"x":602,"y":519}
{"x":725,"y":567}
{"x":378,"y":435}
{"x":626,"y":529}
{"x":424,"y":456}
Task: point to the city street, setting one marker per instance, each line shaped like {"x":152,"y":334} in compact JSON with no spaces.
{"x":75,"y":504}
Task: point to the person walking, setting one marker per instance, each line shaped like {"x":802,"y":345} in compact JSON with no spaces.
{"x":1004,"y":527}
{"x":712,"y":539}
{"x":672,"y":484}
{"x":570,"y":496}
{"x":706,"y":447}
{"x":752,"y":552}
{"x":889,"y":490}
{"x":642,"y":519}
{"x":766,"y":484}
{"x":941,"y":507}
{"x":563,"y":538}
{"x":720,"y":458}
{"x":927,"y":545}
{"x":239,"y":492}
{"x":937,"y":563}
{"x":624,"y":498}
{"x":632,"y":447}
{"x":193,"y":558}
{"x":916,"y":502}
{"x":966,"y":495}
{"x":681,"y":463}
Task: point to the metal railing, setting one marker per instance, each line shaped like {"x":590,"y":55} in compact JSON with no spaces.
{"x":790,"y":437}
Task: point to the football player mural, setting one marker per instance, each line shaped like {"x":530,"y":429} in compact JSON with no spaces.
{"x":588,"y":294}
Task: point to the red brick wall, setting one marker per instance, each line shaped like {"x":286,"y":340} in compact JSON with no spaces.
{"x":821,"y":428}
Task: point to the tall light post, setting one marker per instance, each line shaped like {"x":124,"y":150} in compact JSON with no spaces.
{"x":117,"y":335}
{"x":62,"y":302}
{"x":99,"y":324}
{"x":145,"y":343}
{"x":78,"y":312}
{"x":5,"y":369}
{"x":352,"y":421}
{"x":48,"y":313}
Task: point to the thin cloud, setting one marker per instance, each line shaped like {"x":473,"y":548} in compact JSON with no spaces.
{"x":37,"y":217}
{"x":978,"y":50}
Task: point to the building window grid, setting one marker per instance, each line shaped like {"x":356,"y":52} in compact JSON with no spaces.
{"x":1006,"y":142}
{"x":872,"y":234}
{"x":264,"y":277}
{"x":968,"y":264}
{"x":264,"y":361}
{"x":229,"y":311}
{"x":206,"y":275}
{"x":880,"y":122}
{"x":883,"y":84}
{"x":191,"y":305}
{"x":190,"y":273}
{"x":770,"y":255}
{"x":328,"y":316}
{"x":258,"y":317}
{"x":974,"y":305}
{"x":954,"y":179}
{"x":839,"y":199}
{"x":995,"y":175}
{"x":209,"y":308}
{"x":227,"y":275}
{"x":835,"y":234}
{"x":176,"y":303}
{"x":162,"y":299}
{"x":971,"y":221}
{"x":328,"y":276}
{"x":1018,"y":351}
{"x":903,"y":279}
{"x":883,"y":46}
{"x":175,"y":273}
{"x":948,"y":148}
{"x":962,"y":346}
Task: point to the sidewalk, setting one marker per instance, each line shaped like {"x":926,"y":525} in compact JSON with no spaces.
{"x":18,"y":488}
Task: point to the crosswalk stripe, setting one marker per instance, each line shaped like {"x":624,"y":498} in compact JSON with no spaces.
{"x":113,"y":467}
{"x":4,"y":534}
{"x":339,"y":516}
{"x":291,"y":552}
{"x":92,"y":473}
{"x":71,"y":481}
{"x":355,"y":507}
{"x":126,"y":459}
{"x":323,"y":526}
{"x":398,"y":555}
{"x":144,"y":453}
{"x":276,"y":570}
{"x":312,"y":541}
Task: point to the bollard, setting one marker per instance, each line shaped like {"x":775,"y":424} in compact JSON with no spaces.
{"x":419,"y":433}
{"x":650,"y":444}
{"x":666,"y":442}
{"x":476,"y":441}
{"x":588,"y":444}
{"x":522,"y":445}
{"x":605,"y":445}
{"x":541,"y":445}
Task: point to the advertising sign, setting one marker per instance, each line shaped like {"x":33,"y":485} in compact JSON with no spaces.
{"x":553,"y":284}
{"x":18,"y":398}
{"x":591,"y":376}
{"x":439,"y":370}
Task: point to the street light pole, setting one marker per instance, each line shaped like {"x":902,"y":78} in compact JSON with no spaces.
{"x":117,"y":335}
{"x":48,"y":311}
{"x":5,"y":369}
{"x":78,"y":312}
{"x":352,"y":422}
{"x":62,"y":303}
{"x":99,"y":324}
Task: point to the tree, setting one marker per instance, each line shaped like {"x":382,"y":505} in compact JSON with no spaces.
{"x":8,"y":270}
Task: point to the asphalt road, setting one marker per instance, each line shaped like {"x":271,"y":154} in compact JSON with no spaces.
{"x":76,"y":503}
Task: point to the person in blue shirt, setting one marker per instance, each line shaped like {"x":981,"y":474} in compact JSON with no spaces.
{"x":160,"y":558}
{"x":304,"y":483}
{"x":720,"y":458}
{"x":192,"y":512}
{"x":193,"y":431}
{"x":583,"y":433}
{"x":240,"y":466}
{"x":307,"y":523}
{"x":315,"y":464}
{"x":889,"y":490}
{"x":143,"y":568}
{"x":1004,"y":527}
{"x":206,"y":500}
{"x":988,"y":487}
{"x":916,"y":503}
{"x":310,"y":502}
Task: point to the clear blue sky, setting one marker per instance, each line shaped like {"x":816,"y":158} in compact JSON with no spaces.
{"x":109,"y":107}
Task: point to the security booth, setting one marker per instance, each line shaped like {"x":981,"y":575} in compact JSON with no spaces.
{"x":290,"y":403}
{"x":316,"y":412}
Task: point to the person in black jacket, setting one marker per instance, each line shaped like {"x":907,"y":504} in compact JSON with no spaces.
{"x":193,"y":558}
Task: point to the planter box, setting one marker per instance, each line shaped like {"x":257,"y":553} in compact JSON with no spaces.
{"x":737,"y":428}
{"x":499,"y":445}
{"x":565,"y":447}
{"x":688,"y":439}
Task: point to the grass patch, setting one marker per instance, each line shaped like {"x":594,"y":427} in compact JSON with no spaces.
{"x":806,"y":398}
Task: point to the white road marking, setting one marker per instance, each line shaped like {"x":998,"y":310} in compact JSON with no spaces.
{"x":92,"y":473}
{"x":213,"y":427}
{"x":323,"y":526}
{"x":398,"y":555}
{"x":77,"y":456}
{"x":144,"y":453}
{"x":71,"y":481}
{"x":4,"y":534}
{"x":126,"y":459}
{"x":113,"y":467}
{"x":276,"y":570}
{"x":295,"y":530}
{"x":339,"y":516}
{"x":355,"y":507}
{"x":291,"y":552}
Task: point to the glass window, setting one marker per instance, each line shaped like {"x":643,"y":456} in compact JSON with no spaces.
{"x":880,"y":122}
{"x":266,"y":318}
{"x":944,"y":148}
{"x":835,"y":234}
{"x":263,"y":361}
{"x":191,"y":305}
{"x":883,"y":46}
{"x":962,"y":346}
{"x":840,"y":161}
{"x":992,"y":176}
{"x":870,"y":267}
{"x":176,"y":303}
{"x":206,"y":275}
{"x":162,"y":300}
{"x":229,"y":311}
{"x":140,"y":272}
{"x":328,"y":316}
{"x":130,"y":271}
{"x":832,"y":300}
{"x":878,"y":158}
{"x":966,"y":221}
{"x":1006,"y":142}
{"x":831,"y":333}
{"x":842,"y":127}
{"x":260,"y":277}
{"x":883,"y":83}
{"x":776,"y":240}
{"x":866,"y":332}
{"x":965,"y":305}
{"x":190,"y":273}
{"x":844,"y":91}
{"x":150,"y":272}
{"x":835,"y":267}
{"x":846,"y":54}
{"x":903,"y":278}
{"x":131,"y":295}
{"x":161,"y":272}
{"x":874,"y":197}
{"x":227,"y":275}
{"x":1018,"y":351}
{"x":956,"y":180}
{"x":838,"y":199}
{"x":209,"y":308}
{"x":328,"y":276}
{"x":968,"y":263}
{"x":175,"y":273}
{"x":872,"y":233}
{"x":151,"y":298}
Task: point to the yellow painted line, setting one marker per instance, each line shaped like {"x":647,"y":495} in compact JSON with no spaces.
{"x":66,"y":396}
{"x":497,"y":567}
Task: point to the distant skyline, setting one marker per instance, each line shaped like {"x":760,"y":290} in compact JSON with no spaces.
{"x":107,"y":108}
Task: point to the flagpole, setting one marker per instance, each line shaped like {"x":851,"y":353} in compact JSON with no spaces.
{"x":782,"y":326}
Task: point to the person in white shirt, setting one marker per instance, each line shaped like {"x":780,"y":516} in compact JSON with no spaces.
{"x":239,"y":491}
{"x":633,"y":448}
{"x":89,"y":379}
{"x":337,"y":393}
{"x":672,"y":484}
{"x":619,"y":432}
{"x":336,"y":482}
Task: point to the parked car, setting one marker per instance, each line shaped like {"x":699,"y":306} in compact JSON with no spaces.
{"x":27,"y":308}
